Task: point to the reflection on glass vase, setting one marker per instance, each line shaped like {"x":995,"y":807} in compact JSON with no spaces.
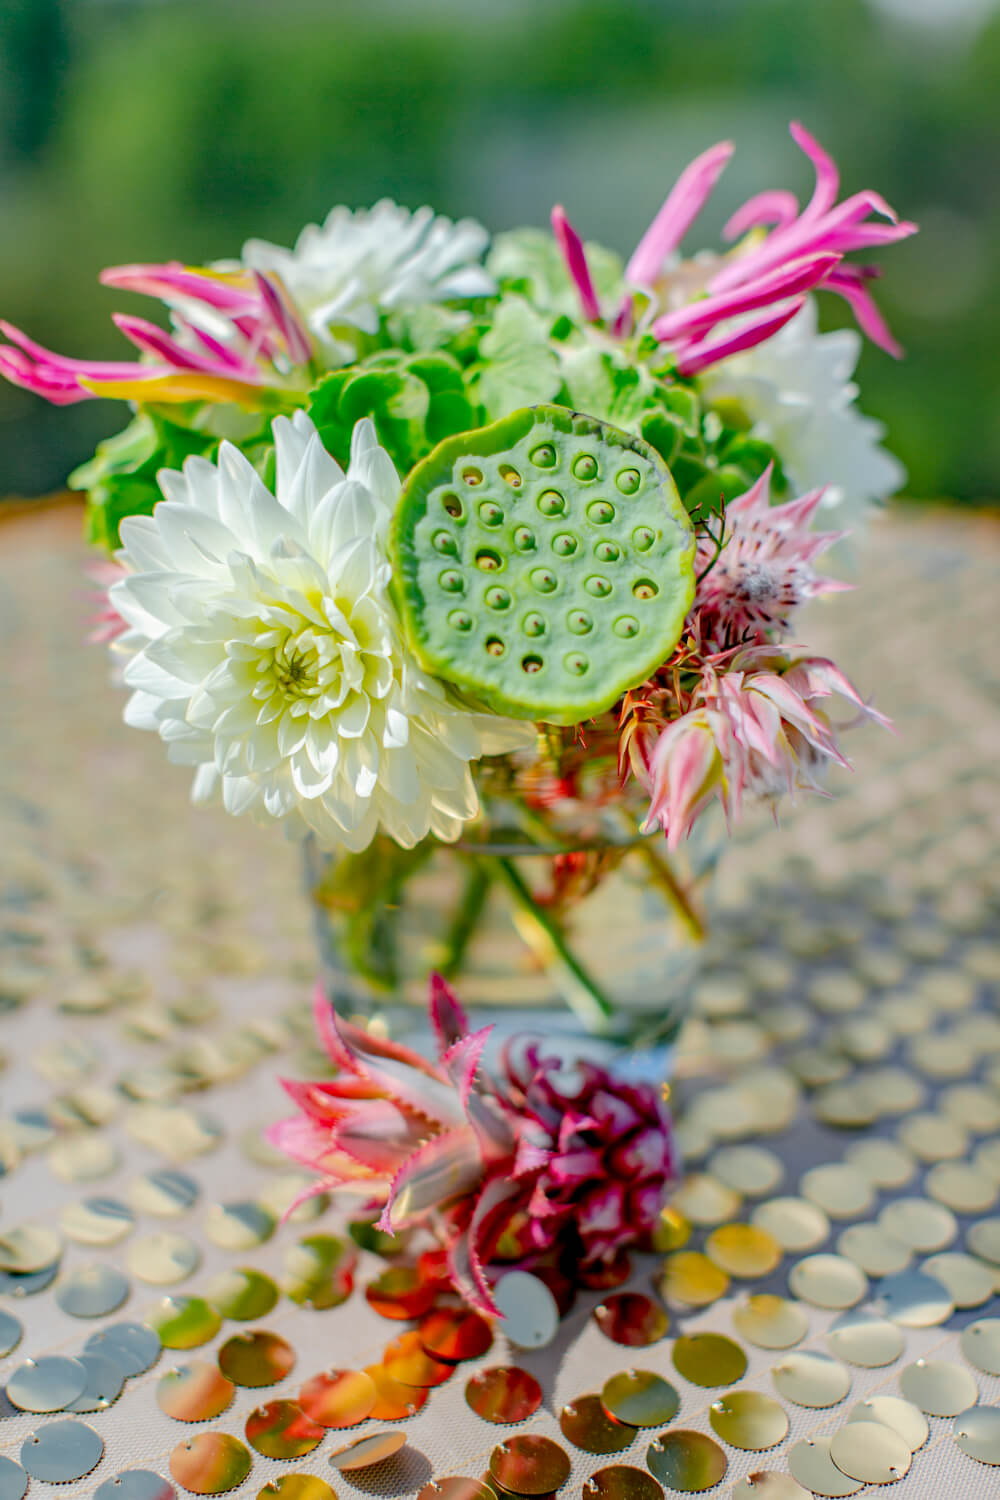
{"x":597,"y":942}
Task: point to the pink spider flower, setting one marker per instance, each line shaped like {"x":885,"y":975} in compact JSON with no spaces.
{"x":520,"y":1160}
{"x":106,"y":623}
{"x":235,"y":334}
{"x":764,"y":569}
{"x":757,"y":726}
{"x":708,"y":309}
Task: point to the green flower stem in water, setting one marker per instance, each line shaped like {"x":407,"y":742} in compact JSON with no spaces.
{"x":465,"y":919}
{"x":544,"y":936}
{"x":662,"y":874}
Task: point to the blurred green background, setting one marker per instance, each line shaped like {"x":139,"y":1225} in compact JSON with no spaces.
{"x":149,"y":131}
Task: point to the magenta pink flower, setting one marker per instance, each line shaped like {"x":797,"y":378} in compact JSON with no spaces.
{"x":756,"y":725}
{"x":235,"y":332}
{"x":765,"y":567}
{"x":521,"y":1161}
{"x":705,"y":313}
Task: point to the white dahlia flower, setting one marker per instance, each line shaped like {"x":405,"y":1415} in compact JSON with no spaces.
{"x":343,"y":271}
{"x":796,"y":388}
{"x":265,"y":651}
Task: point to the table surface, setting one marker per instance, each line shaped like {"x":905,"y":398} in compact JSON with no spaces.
{"x":155,"y":960}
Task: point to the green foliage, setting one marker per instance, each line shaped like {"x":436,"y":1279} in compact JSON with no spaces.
{"x":543,"y":564}
{"x":363,"y":894}
{"x":120,"y":479}
{"x":516,"y":365}
{"x":528,"y":261}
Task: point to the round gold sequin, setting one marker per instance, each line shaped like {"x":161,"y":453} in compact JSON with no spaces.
{"x":196,"y":1392}
{"x":708,"y":1359}
{"x":163,"y":1193}
{"x":621,"y":1482}
{"x":96,"y":1221}
{"x":163,"y":1258}
{"x":456,"y":1487}
{"x":29,"y":1247}
{"x":919,"y":1223}
{"x":875,"y":1251}
{"x":83,"y":1158}
{"x":631,"y":1318}
{"x":241,"y":1294}
{"x":828,"y":1281}
{"x":239,"y":1226}
{"x":605,"y":1275}
{"x":365,"y":1452}
{"x":933,"y":1137}
{"x":770,"y":1322}
{"x":394,"y":1401}
{"x":294,"y":1487}
{"x":977,"y":1434}
{"x":870,"y":1452}
{"x":587,"y":1425}
{"x":687,"y":1461}
{"x":886,"y":1164}
{"x":961,"y":1187}
{"x":210,"y":1463}
{"x":529,"y":1464}
{"x":407,"y":1361}
{"x":768,"y":1484}
{"x":840,"y":1191}
{"x":811,"y":1379}
{"x":703,"y":1199}
{"x":400,"y":1292}
{"x":987,"y":1155}
{"x":748,"y":1420}
{"x":672,"y":1231}
{"x":183,"y":1322}
{"x":640,"y":1398}
{"x":863,"y":1339}
{"x":914,"y":1300}
{"x":902,"y":1416}
{"x":980,"y":1343}
{"x":61,"y":1451}
{"x":939,"y":1387}
{"x":690,"y":1279}
{"x":455,"y":1334}
{"x":319,"y":1271}
{"x":983,"y":1239}
{"x":529,"y":1309}
{"x":898,"y":1092}
{"x":281,"y":1429}
{"x":256,"y":1359}
{"x":503,"y":1394}
{"x":175,"y":1132}
{"x":796,"y":1224}
{"x":338,"y":1398}
{"x":810,"y":1463}
{"x":970,"y":1105}
{"x":751,"y":1170}
{"x":743,"y":1250}
{"x":967,"y":1282}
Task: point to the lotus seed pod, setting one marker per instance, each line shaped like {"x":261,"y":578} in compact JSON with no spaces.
{"x":544,"y":564}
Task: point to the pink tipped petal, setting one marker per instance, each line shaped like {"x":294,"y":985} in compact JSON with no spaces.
{"x":788,"y":280}
{"x":682,"y":206}
{"x":624,"y":317}
{"x":571,"y":248}
{"x":62,"y":391}
{"x":437,"y":1172}
{"x":448,"y":1019}
{"x":756,"y":331}
{"x":827,"y":177}
{"x":173,"y":280}
{"x":461,"y":1061}
{"x":325,"y":1021}
{"x":775,"y":206}
{"x":282,"y":313}
{"x":152,"y":339}
{"x":467,"y":1252}
{"x":864,"y":308}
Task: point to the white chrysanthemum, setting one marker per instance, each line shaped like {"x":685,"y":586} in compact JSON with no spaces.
{"x":797,"y":390}
{"x":343,"y":271}
{"x":265,"y":651}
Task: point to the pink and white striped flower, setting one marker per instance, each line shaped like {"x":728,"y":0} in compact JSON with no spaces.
{"x":527,"y":1160}
{"x":716,"y":306}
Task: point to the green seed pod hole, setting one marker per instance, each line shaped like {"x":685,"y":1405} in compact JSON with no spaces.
{"x":585,"y":467}
{"x":531,"y":664}
{"x":510,"y":476}
{"x":645,"y":589}
{"x":564,"y":545}
{"x":628,"y":481}
{"x":524,"y":540}
{"x":533,"y":625}
{"x":551,"y":503}
{"x":489,"y":560}
{"x":495,"y":646}
{"x":490,"y":514}
{"x":452,"y":582}
{"x":544,"y":456}
{"x":601,"y":512}
{"x":445,"y":542}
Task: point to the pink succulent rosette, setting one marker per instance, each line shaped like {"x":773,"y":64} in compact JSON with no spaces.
{"x":513,"y":1169}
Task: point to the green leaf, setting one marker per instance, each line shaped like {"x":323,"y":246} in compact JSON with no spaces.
{"x":603,"y":385}
{"x":516,"y":365}
{"x":120,"y":479}
{"x":529,"y":261}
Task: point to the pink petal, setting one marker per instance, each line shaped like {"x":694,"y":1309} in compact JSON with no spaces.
{"x":827,"y":177}
{"x":461,"y":1061}
{"x":682,"y":206}
{"x":467,"y":1250}
{"x":173,"y":279}
{"x":710,"y":351}
{"x":285,"y":318}
{"x":447,"y":1016}
{"x":785,"y":281}
{"x":439,"y":1171}
{"x":571,"y":247}
{"x":154,"y":340}
{"x":775,"y":206}
{"x":864,"y":308}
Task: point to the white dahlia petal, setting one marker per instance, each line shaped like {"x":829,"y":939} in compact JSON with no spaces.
{"x":264,"y":648}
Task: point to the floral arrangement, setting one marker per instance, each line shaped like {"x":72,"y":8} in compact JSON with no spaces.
{"x":412,"y":529}
{"x":527,"y":1170}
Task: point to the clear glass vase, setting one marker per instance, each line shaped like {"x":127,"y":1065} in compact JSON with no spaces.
{"x":596,"y":942}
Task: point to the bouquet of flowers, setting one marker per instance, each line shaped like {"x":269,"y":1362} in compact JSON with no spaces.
{"x":414,"y":531}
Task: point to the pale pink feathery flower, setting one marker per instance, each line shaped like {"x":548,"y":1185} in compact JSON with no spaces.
{"x":234,"y":333}
{"x":732,"y":303}
{"x":582,"y":1168}
{"x":106,"y":623}
{"x":764,"y":569}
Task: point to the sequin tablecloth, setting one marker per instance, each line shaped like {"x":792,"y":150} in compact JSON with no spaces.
{"x":838,"y":1089}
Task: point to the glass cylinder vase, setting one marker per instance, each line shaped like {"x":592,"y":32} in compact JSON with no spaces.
{"x":596,"y":942}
